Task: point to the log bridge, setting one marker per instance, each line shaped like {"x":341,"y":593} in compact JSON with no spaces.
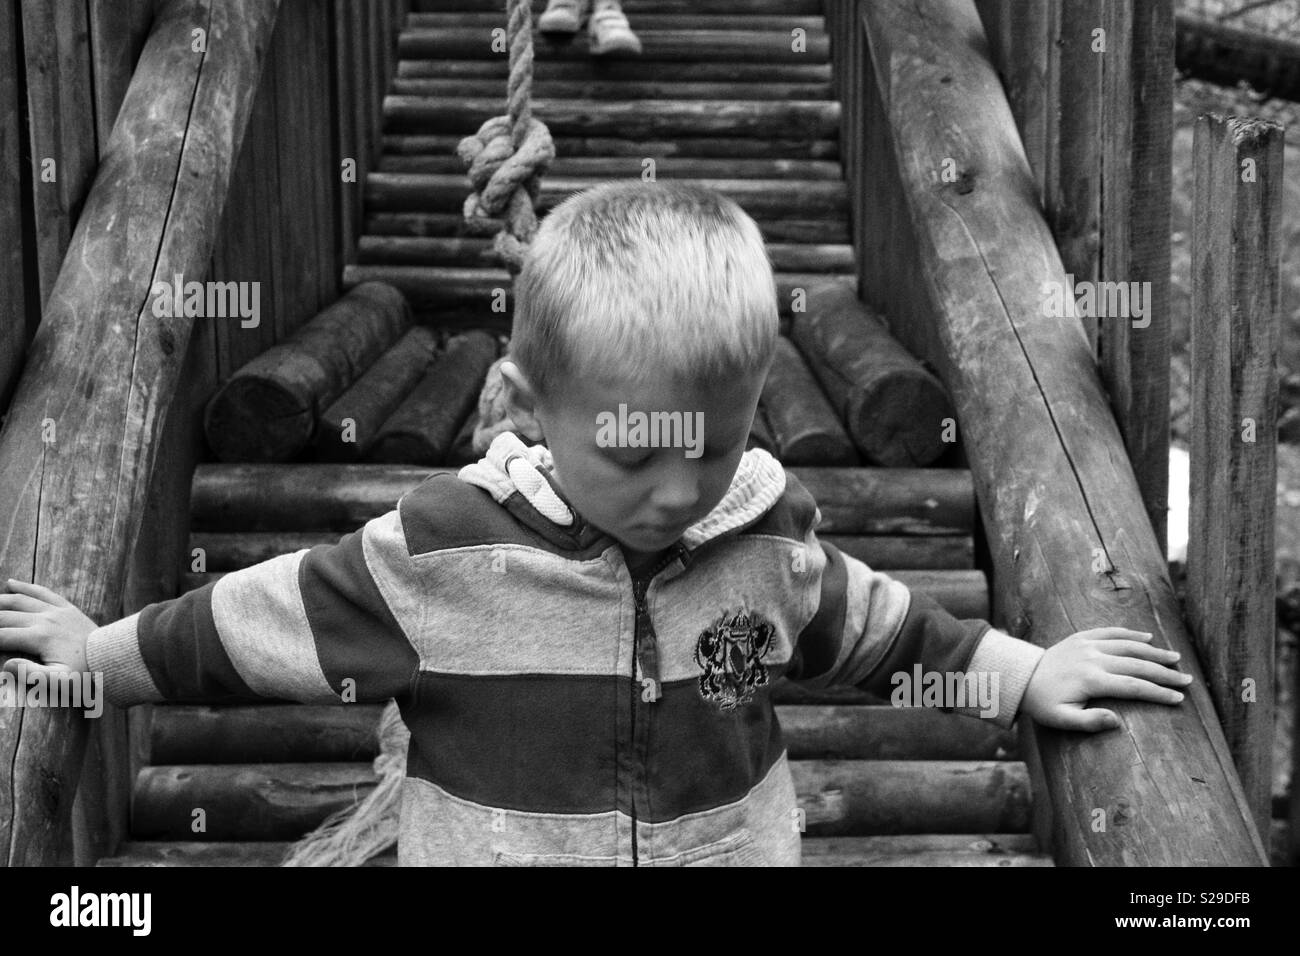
{"x":909,"y":164}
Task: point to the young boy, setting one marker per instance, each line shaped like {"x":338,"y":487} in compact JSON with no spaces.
{"x":583,"y":635}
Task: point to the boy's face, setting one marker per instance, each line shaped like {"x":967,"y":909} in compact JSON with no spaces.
{"x":645,"y":497}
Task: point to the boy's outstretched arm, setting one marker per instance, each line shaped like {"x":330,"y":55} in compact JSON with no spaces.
{"x":870,"y":631}
{"x":310,"y":626}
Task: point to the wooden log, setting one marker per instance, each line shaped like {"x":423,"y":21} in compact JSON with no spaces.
{"x":439,"y":289}
{"x":656,"y":21}
{"x":422,"y":429}
{"x":627,"y":70}
{"x":803,"y":424}
{"x":301,"y":497}
{"x":761,"y":198}
{"x":883,"y":732}
{"x":645,"y":119}
{"x":666,"y":167}
{"x":268,"y":410}
{"x":159,"y":853}
{"x":766,"y":46}
{"x":102,"y":369}
{"x":937,"y":552}
{"x":787,"y":692}
{"x":928,"y":849}
{"x":1231,"y":600}
{"x":1055,"y":486}
{"x":273,"y":801}
{"x":222,"y":551}
{"x":760,"y":433}
{"x":282,"y":801}
{"x":850,"y":797}
{"x":349,"y":426}
{"x":342,"y":497}
{"x":892,"y":501}
{"x":602,"y":89}
{"x":263,"y":733}
{"x":321,"y":497}
{"x":1226,"y":54}
{"x":895,"y":410}
{"x":638,"y":8}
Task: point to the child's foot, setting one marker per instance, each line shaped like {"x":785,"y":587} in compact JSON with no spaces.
{"x":561,"y":16}
{"x":609,"y":30}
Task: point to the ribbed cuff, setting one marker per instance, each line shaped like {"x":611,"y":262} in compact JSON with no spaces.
{"x":114,"y":651}
{"x":1014,"y":662}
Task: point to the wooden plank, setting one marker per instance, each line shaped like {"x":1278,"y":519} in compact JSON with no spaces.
{"x":615,"y":167}
{"x":61,"y":124}
{"x":282,"y":801}
{"x":118,"y":30}
{"x":630,"y":70}
{"x":347,"y":194}
{"x":103,"y":370}
{"x":639,"y":7}
{"x":16,"y":271}
{"x":641,"y":21}
{"x":930,"y":552}
{"x":1236,"y":244}
{"x":787,"y":147}
{"x":1072,"y":190}
{"x":1058,"y":496}
{"x":1137,"y":145}
{"x":601,"y":89}
{"x":643,"y":119}
{"x":767,"y":46}
{"x":294,"y":225}
{"x":160,"y":853}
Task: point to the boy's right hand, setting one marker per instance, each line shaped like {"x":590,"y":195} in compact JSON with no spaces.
{"x":42,"y":626}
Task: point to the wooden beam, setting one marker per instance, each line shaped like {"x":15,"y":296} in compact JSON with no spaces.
{"x":80,"y":439}
{"x":1137,"y":165}
{"x":1226,"y":55}
{"x":1068,"y":533}
{"x":17,"y":266}
{"x":1236,"y":244}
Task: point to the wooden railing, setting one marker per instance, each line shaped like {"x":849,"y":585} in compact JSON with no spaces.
{"x":953,"y":245}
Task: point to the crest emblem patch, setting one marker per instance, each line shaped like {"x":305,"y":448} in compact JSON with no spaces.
{"x":731,"y":653}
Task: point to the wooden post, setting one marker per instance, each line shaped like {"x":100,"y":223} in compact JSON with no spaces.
{"x":1137,"y":147}
{"x":1060,"y":500}
{"x":19,"y":300}
{"x":80,"y":439}
{"x":1235,"y":330}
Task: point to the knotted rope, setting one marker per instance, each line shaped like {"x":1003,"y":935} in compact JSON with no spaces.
{"x":508,"y":155}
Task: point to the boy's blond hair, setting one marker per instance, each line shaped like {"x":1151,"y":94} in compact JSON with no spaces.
{"x":630,"y":278}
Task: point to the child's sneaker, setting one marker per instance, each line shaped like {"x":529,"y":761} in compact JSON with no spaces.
{"x":562,"y":16}
{"x":610,"y":32}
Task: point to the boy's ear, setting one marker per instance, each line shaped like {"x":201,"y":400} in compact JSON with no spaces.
{"x":521,"y":401}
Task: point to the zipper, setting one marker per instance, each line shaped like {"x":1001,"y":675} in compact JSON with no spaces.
{"x":645,"y":686}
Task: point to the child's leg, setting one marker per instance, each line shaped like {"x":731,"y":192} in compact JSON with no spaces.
{"x":610,"y":32}
{"x":562,"y":16}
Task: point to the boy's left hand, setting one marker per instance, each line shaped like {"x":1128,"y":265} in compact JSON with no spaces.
{"x":1102,"y":662}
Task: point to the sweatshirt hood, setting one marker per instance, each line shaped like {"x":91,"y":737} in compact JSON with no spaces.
{"x":519,"y":477}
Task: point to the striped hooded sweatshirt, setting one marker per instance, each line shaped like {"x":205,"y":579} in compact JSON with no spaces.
{"x":562,"y":711}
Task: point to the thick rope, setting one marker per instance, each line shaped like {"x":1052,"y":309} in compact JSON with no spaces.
{"x":508,"y":155}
